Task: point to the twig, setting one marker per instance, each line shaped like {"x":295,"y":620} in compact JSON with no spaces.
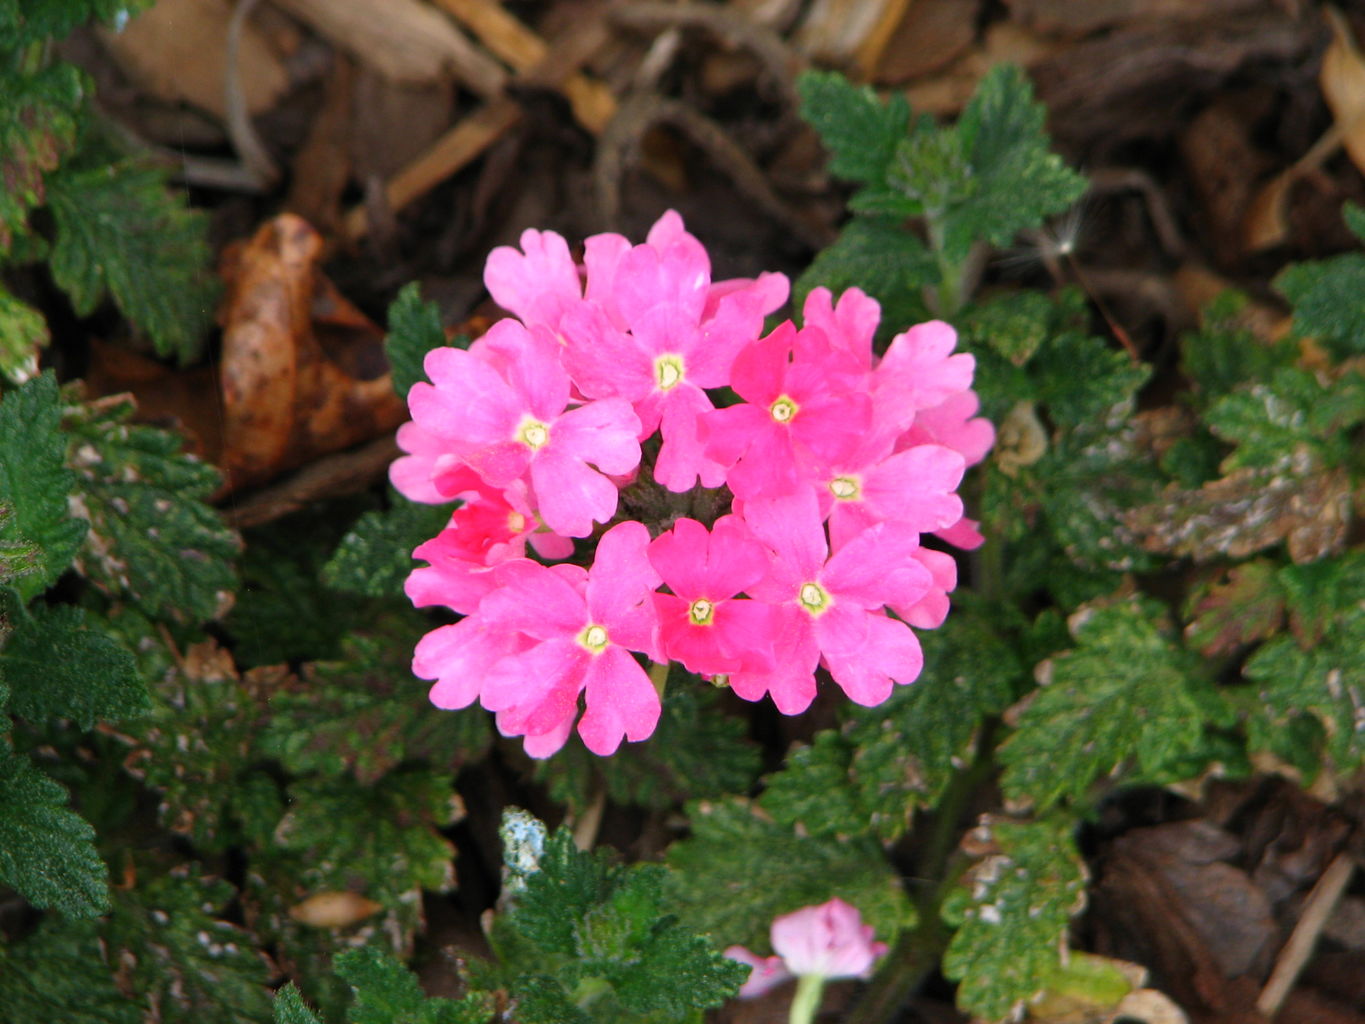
{"x":239,"y":127}
{"x":1321,"y":902}
{"x":585,"y":829}
{"x":343,"y":473}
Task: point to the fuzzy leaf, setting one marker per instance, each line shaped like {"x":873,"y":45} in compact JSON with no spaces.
{"x":57,"y":666}
{"x":697,"y":751}
{"x":739,"y":869}
{"x":366,"y":714}
{"x":291,"y":1009}
{"x":35,"y":482}
{"x":1126,"y":701}
{"x":38,"y":120}
{"x":60,"y":973}
{"x":181,"y":957}
{"x":1081,"y":379}
{"x":47,"y":851}
{"x":35,"y":20}
{"x":118,"y":229}
{"x":1242,"y":605}
{"x":1317,"y":592}
{"x":17,"y":558}
{"x":1294,"y":409}
{"x":1012,"y":914}
{"x":375,"y":557}
{"x":387,"y":992}
{"x":1018,"y":182}
{"x":23,"y":331}
{"x":414,"y":330}
{"x":881,"y":258}
{"x":152,"y":534}
{"x":1223,"y":353}
{"x":859,"y":130}
{"x":1326,"y":295}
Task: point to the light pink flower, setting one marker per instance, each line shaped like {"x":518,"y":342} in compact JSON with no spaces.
{"x":537,"y":283}
{"x":827,"y":941}
{"x":920,"y":371}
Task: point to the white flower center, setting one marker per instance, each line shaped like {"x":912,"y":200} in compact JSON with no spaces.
{"x":668,"y":371}
{"x":846,"y":488}
{"x":701,"y":612}
{"x":814,"y":598}
{"x":594,"y":638}
{"x":533,"y":434}
{"x":783,"y":409}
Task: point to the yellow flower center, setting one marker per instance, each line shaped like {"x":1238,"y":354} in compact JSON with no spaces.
{"x":533,"y":434}
{"x":594,"y":638}
{"x":668,"y":371}
{"x":846,"y":488}
{"x":814,"y":598}
{"x":516,"y":522}
{"x":701,"y":612}
{"x":783,"y":410}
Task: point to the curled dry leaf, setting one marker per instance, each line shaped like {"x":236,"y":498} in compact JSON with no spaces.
{"x":333,"y":909}
{"x":303,"y":371}
{"x":1342,"y":81}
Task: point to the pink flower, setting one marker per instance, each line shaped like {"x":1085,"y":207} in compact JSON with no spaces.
{"x":920,"y":371}
{"x":505,"y":422}
{"x":828,"y":941}
{"x":831,"y":608}
{"x":916,"y":487}
{"x":537,"y":283}
{"x":582,"y":627}
{"x":702,"y":623}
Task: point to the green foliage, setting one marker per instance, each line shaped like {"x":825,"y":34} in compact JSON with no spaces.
{"x":696,"y":751}
{"x":1239,"y":607}
{"x":119,"y":230}
{"x":291,"y":1009}
{"x":1012,"y":913}
{"x":1223,"y":353}
{"x":888,"y":263}
{"x":1326,"y":294}
{"x":859,"y":130}
{"x":589,"y":937}
{"x":1125,"y":703}
{"x":1294,"y":409}
{"x":47,"y":851}
{"x":30,"y":21}
{"x":35,"y":482}
{"x":61,"y":973}
{"x":414,"y":330}
{"x":375,"y":557}
{"x":152,"y":536}
{"x":386,"y":991}
{"x":56,"y":664}
{"x":22,"y":332}
{"x":38,"y":123}
{"x":739,"y":869}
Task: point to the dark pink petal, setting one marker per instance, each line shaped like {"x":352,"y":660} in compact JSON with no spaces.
{"x":458,"y":657}
{"x":728,"y":433}
{"x":571,"y":496}
{"x":537,"y":685}
{"x":759,"y":372}
{"x":537,"y":283}
{"x":917,"y":486}
{"x":919,"y":370}
{"x":832,"y":427}
{"x":534,"y":372}
{"x":679,"y":557}
{"x":850,"y":325}
{"x":541,"y":745}
{"x":930,"y":610}
{"x":951,"y":424}
{"x":601,"y":256}
{"x":965,"y":534}
{"x":622,"y":575}
{"x":791,"y":680}
{"x":889,"y":653}
{"x":620,"y":701}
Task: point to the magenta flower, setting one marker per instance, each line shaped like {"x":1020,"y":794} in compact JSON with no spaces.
{"x":505,"y":422}
{"x":920,"y":371}
{"x":827,"y":941}
{"x":916,"y":487}
{"x":703,"y":624}
{"x":831,"y":607}
{"x":582,"y":627}
{"x":537,"y":283}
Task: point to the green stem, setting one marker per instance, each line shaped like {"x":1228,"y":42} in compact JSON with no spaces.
{"x":809,"y":989}
{"x":949,"y":291}
{"x":658,"y":675}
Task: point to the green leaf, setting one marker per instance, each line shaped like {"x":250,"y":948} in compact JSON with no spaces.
{"x":1224,"y":353}
{"x":36,"y":20}
{"x":414,"y":330}
{"x":368,"y":713}
{"x":859,"y":130}
{"x":1242,"y":605}
{"x":1012,"y":914}
{"x":38,"y":121}
{"x":17,"y":558}
{"x":118,"y":229}
{"x":1015,"y":325}
{"x":1125,"y":702}
{"x":180,"y":956}
{"x":57,"y":666}
{"x":1083,"y":380}
{"x":1295,"y":409}
{"x":881,"y":258}
{"x":739,"y":869}
{"x":1326,"y":683}
{"x":153,"y":537}
{"x":47,"y":851}
{"x":1317,"y":592}
{"x":697,"y":751}
{"x":375,"y":557}
{"x":386,"y":992}
{"x":35,"y":482}
{"x":60,"y":973}
{"x":23,"y":331}
{"x":1326,"y":295}
{"x":291,"y":1009}
{"x":1018,"y":182}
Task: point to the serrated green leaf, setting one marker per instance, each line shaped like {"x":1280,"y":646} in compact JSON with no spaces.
{"x":38,"y":121}
{"x":386,"y":992}
{"x":23,"y":331}
{"x":929,"y":173}
{"x":47,"y":851}
{"x":1223,"y":353}
{"x":375,"y":557}
{"x":1082,"y":379}
{"x":57,"y":665}
{"x":885,"y":261}
{"x":60,"y":973}
{"x":1015,"y":325}
{"x":1294,"y":409}
{"x":35,"y":20}
{"x":414,"y":330}
{"x":291,"y":1009}
{"x":1326,"y":295}
{"x":1018,"y":182}
{"x":118,"y":229}
{"x":366,"y":714}
{"x":1325,"y":682}
{"x":1318,"y":591}
{"x":1242,"y":605}
{"x":35,"y":482}
{"x":17,"y":558}
{"x":859,"y":130}
{"x":697,"y":751}
{"x":153,"y":537}
{"x":739,"y":869}
{"x":1012,"y":914}
{"x":1126,"y":702}
{"x":181,"y":957}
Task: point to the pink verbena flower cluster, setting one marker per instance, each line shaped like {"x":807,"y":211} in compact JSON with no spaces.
{"x":752,"y":542}
{"x":827,"y":941}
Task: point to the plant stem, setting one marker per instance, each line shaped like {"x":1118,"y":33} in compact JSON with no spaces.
{"x":809,"y":989}
{"x":949,"y":290}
